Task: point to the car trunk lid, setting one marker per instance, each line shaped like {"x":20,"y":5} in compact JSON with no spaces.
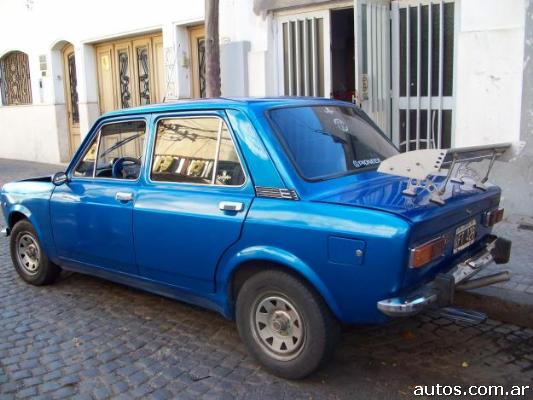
{"x":463,"y":203}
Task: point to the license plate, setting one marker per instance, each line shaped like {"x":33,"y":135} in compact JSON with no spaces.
{"x":465,"y":235}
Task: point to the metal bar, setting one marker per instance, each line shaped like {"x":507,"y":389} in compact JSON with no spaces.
{"x":386,"y":68}
{"x":375,"y":72}
{"x":429,"y":131}
{"x":97,"y":153}
{"x":215,"y":164}
{"x":377,"y":51}
{"x":298,"y":57}
{"x":289,"y":58}
{"x":441,"y":42}
{"x":418,"y":65}
{"x":407,"y":78}
{"x":306,"y":56}
{"x":370,"y":66}
{"x":314,"y":29}
{"x":381,"y":63}
{"x":395,"y":38}
{"x":374,"y":82}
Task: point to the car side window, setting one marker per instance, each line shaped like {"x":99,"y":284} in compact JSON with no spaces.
{"x":120,"y":151}
{"x":196,"y":150}
{"x":85,"y":167}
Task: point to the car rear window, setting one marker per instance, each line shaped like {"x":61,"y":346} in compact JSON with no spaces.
{"x":330,"y":141}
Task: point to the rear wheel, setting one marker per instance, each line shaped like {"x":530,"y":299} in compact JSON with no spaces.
{"x":284,"y":324}
{"x":28,"y":256}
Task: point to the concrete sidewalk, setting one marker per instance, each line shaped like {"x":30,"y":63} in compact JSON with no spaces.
{"x":510,"y":302}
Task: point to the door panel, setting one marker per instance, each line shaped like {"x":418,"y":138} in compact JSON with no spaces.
{"x":106,"y":84}
{"x":373,"y":61}
{"x":125,"y":76}
{"x":197,"y":44}
{"x":71,"y":97}
{"x":142,"y":49}
{"x":180,"y":233}
{"x":159,"y":71}
{"x":92,"y":214}
{"x":180,"y":226}
{"x":91,"y":227}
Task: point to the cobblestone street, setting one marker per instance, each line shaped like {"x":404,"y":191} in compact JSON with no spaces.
{"x":89,"y":338}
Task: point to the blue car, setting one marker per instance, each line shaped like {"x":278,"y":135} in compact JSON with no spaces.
{"x":290,"y":215}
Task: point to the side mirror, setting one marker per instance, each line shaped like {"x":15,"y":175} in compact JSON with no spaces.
{"x":59,"y":178}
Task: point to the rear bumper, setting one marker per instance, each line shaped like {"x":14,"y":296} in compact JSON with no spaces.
{"x":442,"y":289}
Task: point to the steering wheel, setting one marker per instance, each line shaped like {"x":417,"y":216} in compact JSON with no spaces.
{"x":118,"y":166}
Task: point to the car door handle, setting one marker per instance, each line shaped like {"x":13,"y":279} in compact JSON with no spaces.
{"x":231,"y":206}
{"x":124,"y":197}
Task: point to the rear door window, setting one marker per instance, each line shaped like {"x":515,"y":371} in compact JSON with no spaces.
{"x":197,"y":150}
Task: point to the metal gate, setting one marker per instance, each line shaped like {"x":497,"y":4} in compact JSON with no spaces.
{"x":423,"y":33}
{"x":304,"y":53}
{"x":373,"y":55}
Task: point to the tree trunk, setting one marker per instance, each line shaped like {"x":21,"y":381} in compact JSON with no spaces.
{"x":212,"y":49}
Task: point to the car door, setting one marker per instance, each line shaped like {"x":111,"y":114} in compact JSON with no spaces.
{"x":193,"y":201}
{"x":92,"y":214}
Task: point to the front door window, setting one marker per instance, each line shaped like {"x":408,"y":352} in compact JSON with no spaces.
{"x":120,"y":152}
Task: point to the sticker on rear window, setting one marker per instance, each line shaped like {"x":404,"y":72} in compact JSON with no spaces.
{"x":366,"y":163}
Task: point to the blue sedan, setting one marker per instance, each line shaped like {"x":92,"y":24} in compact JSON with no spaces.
{"x":269,"y":211}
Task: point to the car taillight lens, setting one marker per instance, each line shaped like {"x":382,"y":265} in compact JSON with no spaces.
{"x":423,"y":254}
{"x":492,"y":217}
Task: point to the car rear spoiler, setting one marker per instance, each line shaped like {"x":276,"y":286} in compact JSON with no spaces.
{"x":422,"y":166}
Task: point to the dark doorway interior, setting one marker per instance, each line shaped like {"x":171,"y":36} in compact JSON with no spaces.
{"x":342,"y":54}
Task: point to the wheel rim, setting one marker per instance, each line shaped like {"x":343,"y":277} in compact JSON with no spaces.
{"x":278,"y":327}
{"x":28,"y":253}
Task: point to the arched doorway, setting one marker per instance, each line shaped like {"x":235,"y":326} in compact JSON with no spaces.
{"x":71,"y":96}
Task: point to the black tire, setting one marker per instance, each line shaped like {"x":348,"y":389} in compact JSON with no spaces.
{"x":293,"y":304}
{"x":34,"y":267}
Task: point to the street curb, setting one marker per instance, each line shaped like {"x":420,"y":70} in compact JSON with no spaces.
{"x":499,"y":304}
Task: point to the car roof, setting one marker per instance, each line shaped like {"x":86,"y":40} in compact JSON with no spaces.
{"x":225,"y":102}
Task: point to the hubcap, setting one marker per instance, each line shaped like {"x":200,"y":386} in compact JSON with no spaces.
{"x":278,"y":327}
{"x":28,"y":253}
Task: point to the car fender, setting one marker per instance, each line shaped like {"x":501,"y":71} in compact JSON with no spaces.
{"x":20,"y":208}
{"x":278,"y":256}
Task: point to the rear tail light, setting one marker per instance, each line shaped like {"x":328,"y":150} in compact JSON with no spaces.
{"x":492,"y":217}
{"x":423,"y":254}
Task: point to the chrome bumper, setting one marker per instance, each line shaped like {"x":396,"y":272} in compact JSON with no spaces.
{"x":5,"y":231}
{"x":441,"y":290}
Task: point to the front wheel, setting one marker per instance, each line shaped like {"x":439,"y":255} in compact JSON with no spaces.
{"x":28,"y":256}
{"x":284,"y":324}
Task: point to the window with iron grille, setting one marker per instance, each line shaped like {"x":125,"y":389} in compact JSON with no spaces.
{"x":15,"y":79}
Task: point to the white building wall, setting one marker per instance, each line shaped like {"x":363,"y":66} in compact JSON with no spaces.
{"x":248,"y":63}
{"x":489,"y":67}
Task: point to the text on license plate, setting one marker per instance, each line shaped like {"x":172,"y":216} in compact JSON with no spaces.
{"x":465,"y":235}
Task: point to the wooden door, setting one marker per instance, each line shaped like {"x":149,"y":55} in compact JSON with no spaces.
{"x":106,"y":87}
{"x":160,"y":86}
{"x":71,"y":97}
{"x":197,"y":49}
{"x":130,"y":72}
